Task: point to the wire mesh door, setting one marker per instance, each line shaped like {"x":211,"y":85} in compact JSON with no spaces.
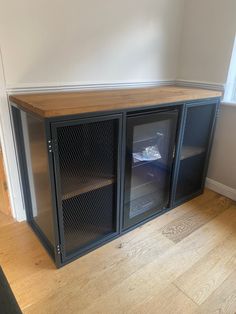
{"x":195,"y":149}
{"x":86,"y":164}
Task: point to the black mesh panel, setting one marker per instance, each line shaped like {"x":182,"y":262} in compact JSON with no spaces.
{"x":88,"y":162}
{"x":194,"y":150}
{"x":88,"y":218}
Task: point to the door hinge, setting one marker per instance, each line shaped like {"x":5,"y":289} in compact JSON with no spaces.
{"x":58,"y":249}
{"x":52,"y":145}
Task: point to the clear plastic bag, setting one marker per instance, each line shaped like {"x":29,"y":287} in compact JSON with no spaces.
{"x":150,"y":153}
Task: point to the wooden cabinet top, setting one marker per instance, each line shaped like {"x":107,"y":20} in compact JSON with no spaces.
{"x":48,"y":105}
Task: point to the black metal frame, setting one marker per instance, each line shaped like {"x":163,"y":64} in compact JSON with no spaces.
{"x":50,"y":126}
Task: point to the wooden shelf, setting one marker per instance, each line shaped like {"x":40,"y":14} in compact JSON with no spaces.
{"x":76,"y":186}
{"x":143,"y":163}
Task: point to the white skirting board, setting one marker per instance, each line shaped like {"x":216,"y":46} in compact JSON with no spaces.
{"x":221,"y":188}
{"x":199,"y":84}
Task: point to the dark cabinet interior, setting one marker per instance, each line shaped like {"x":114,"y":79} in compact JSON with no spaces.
{"x":150,"y":141}
{"x":194,"y":150}
{"x":87,"y":180}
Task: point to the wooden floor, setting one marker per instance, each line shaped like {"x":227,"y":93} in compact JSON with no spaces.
{"x":5,"y":207}
{"x":182,"y":262}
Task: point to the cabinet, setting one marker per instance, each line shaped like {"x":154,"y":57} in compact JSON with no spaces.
{"x":198,"y":127}
{"x":93,"y":172}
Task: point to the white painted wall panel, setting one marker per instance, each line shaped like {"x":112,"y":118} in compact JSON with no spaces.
{"x":207,"y":42}
{"x":89,"y":41}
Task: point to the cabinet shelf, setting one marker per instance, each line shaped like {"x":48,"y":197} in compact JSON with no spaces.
{"x":146,"y":139}
{"x":143,"y":163}
{"x":191,"y":151}
{"x":143,"y":184}
{"x":76,"y":186}
{"x":140,"y":205}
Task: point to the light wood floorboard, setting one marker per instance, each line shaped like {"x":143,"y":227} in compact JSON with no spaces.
{"x":192,"y":220}
{"x":5,"y":219}
{"x":181,"y":262}
{"x":201,"y":280}
{"x":169,"y":300}
{"x":223,"y":300}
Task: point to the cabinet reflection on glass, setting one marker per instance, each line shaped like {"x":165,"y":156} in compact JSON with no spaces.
{"x":150,"y":149}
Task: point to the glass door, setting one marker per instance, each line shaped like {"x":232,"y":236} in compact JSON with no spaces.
{"x":149,"y":158}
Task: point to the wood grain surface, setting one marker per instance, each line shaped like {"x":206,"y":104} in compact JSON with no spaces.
{"x":144,"y":271}
{"x":5,"y":206}
{"x":71,"y":103}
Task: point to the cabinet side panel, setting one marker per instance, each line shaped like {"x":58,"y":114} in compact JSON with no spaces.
{"x":35,"y":144}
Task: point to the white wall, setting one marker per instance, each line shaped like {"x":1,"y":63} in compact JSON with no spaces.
{"x":9,"y":154}
{"x":89,"y":41}
{"x":223,"y":159}
{"x":208,"y":36}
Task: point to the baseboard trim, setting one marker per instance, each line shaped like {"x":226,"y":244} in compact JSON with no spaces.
{"x":203,"y":85}
{"x":63,"y":87}
{"x":221,"y":188}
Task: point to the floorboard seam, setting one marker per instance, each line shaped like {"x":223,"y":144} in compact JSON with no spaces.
{"x":187,"y":296}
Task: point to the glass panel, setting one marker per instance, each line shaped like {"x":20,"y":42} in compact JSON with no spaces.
{"x":38,"y":173}
{"x":149,"y":165}
{"x":194,"y":149}
{"x":88,"y":171}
